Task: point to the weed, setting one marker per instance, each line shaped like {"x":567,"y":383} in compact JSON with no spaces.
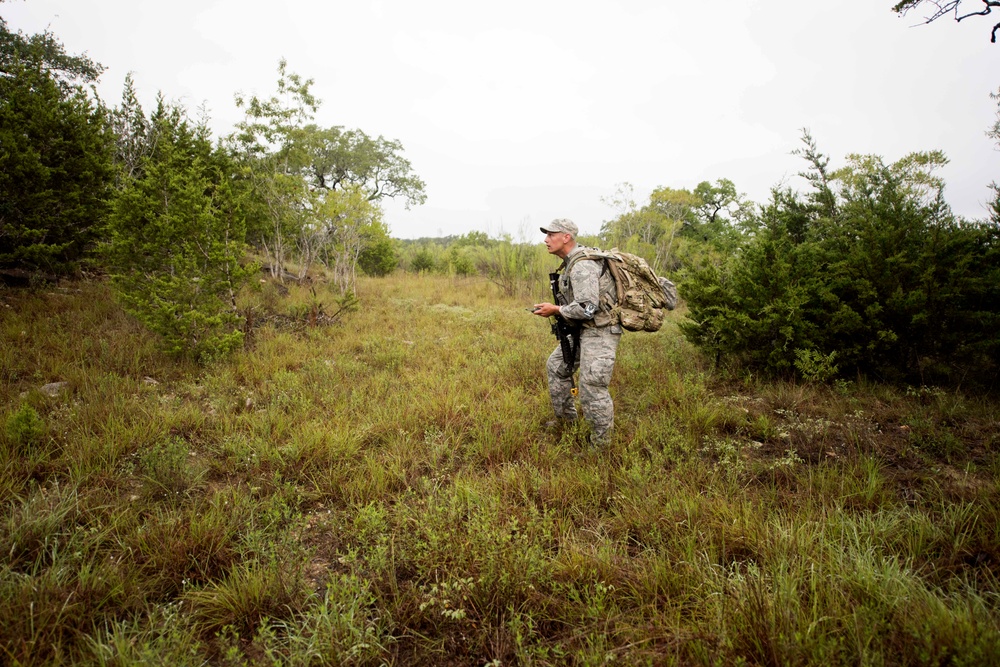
{"x":171,"y":468}
{"x":343,"y":628}
{"x":448,"y":598}
{"x":816,"y":366}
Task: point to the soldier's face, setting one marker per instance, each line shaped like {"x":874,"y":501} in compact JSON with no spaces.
{"x":556,"y":242}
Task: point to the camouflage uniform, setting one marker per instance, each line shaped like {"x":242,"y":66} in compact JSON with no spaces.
{"x":587,"y":293}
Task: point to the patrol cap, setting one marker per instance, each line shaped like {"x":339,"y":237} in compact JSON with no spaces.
{"x":564,"y":225}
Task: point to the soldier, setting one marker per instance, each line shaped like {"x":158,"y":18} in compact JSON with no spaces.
{"x":586,"y":293}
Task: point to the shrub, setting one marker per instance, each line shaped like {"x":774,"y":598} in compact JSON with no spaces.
{"x":56,"y":175}
{"x":422,"y":261}
{"x":514,"y":267}
{"x":379,"y":257}
{"x":871,"y":267}
{"x":176,"y":241}
{"x":25,"y":427}
{"x":460,"y":261}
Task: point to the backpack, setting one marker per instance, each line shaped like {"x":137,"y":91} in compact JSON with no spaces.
{"x":642,"y":296}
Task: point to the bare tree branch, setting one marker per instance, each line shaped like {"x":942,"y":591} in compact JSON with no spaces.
{"x":949,"y":7}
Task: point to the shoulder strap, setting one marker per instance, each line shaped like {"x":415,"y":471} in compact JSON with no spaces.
{"x":585,"y":253}
{"x":607,"y":261}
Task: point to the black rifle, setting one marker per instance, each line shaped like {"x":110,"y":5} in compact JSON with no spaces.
{"x":567,"y":334}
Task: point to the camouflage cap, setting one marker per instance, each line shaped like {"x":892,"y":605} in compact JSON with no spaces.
{"x":564,"y":225}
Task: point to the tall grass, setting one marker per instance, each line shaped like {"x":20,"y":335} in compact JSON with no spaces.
{"x":383,"y":489}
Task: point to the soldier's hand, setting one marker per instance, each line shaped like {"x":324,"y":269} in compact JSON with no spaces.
{"x":546,"y":309}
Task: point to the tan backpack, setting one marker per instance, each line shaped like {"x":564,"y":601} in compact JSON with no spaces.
{"x":642,"y":295}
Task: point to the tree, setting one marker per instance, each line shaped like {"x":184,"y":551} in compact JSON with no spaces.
{"x":309,"y":182}
{"x":423,"y":260}
{"x":55,"y":163}
{"x":641,"y":230}
{"x":133,"y":134}
{"x":515,"y":267}
{"x":339,"y":158}
{"x":960,"y":9}
{"x":670,"y":214}
{"x":271,"y":156}
{"x":870,"y":272}
{"x":723,"y":213}
{"x":379,"y":256}
{"x":176,"y":240}
{"x":678,"y":225}
{"x":349,"y":222}
{"x":994,"y":134}
{"x":46,"y":53}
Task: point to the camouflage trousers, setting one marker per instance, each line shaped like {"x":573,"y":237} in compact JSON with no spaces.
{"x":596,"y":361}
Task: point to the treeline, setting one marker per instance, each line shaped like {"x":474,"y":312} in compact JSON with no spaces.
{"x":180,"y":220}
{"x":868,"y":272}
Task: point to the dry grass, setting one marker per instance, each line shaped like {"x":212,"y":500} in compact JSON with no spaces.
{"x":383,"y":490}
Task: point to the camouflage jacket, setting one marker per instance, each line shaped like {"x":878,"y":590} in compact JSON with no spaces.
{"x":586,"y":290}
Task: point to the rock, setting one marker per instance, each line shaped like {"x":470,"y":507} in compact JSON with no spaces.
{"x":54,"y":388}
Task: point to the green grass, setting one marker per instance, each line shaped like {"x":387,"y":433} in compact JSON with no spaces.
{"x":383,"y":490}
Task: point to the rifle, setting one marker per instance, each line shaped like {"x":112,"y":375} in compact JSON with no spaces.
{"x":567,"y":334}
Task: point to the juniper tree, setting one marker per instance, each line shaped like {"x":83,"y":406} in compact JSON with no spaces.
{"x":870,"y":271}
{"x":176,"y":240}
{"x":55,"y":162}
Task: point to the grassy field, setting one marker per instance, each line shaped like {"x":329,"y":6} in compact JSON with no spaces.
{"x":383,"y":490}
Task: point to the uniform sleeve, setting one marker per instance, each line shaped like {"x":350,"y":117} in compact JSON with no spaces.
{"x":585,"y":278}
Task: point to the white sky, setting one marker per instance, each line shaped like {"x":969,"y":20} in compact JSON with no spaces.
{"x":527,"y":110}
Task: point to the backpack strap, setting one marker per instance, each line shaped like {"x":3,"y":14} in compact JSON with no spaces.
{"x":607,"y":260}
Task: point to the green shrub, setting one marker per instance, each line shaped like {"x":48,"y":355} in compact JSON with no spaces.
{"x":516,"y":268}
{"x":176,"y":241}
{"x":25,"y":427}
{"x":877,"y":274}
{"x":460,"y":261}
{"x":379,"y":257}
{"x":422,"y":261}
{"x":169,"y":468}
{"x":56,"y":173}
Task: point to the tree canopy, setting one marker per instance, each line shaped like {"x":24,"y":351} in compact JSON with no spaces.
{"x":55,"y":166}
{"x":45,"y":52}
{"x":340,"y":157}
{"x":869,"y":272}
{"x":317,"y":189}
{"x":678,"y":224}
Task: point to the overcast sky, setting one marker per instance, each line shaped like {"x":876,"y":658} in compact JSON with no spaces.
{"x":522,"y":111}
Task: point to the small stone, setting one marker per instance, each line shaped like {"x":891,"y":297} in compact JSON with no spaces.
{"x":54,"y":388}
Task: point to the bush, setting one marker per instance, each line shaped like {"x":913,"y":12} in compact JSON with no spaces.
{"x":422,"y":261}
{"x":877,"y":273}
{"x":516,"y":268}
{"x":25,"y":427}
{"x":379,"y":257}
{"x":176,"y":241}
{"x":460,"y":261}
{"x":56,"y":171}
